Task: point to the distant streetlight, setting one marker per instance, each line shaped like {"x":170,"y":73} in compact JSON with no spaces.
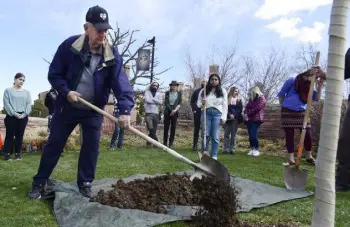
{"x":153,"y":42}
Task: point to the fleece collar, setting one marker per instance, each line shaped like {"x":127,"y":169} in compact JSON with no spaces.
{"x":78,"y":45}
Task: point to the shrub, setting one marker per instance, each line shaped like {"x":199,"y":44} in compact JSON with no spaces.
{"x":316,"y":117}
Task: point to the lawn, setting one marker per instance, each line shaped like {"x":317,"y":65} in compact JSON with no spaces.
{"x":16,"y":176}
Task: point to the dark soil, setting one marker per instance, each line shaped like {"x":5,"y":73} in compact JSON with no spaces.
{"x":217,"y":199}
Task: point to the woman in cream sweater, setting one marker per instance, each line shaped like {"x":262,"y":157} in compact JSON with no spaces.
{"x":215,"y":103}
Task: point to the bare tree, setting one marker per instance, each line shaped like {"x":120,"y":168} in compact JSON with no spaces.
{"x":195,"y":69}
{"x":123,"y":41}
{"x":305,"y":56}
{"x":268,"y":71}
{"x":226,"y":59}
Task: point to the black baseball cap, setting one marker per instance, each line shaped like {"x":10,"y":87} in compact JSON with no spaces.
{"x":98,"y":16}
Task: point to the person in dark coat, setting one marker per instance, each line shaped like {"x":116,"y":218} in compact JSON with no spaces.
{"x":196,"y":115}
{"x":173,"y":100}
{"x":343,"y":153}
{"x":85,"y":66}
{"x":50,"y":99}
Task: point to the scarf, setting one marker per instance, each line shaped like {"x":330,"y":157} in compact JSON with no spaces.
{"x":302,"y":86}
{"x":233,"y":101}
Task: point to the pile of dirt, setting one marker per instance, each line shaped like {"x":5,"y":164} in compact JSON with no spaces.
{"x":150,"y":194}
{"x":217,"y":199}
{"x":218,"y":202}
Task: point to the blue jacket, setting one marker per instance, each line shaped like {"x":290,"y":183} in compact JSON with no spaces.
{"x":67,"y":67}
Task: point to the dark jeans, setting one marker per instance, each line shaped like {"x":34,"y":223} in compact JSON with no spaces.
{"x":14,"y":131}
{"x":196,"y":126}
{"x":152,"y":121}
{"x":230,"y":127}
{"x":49,"y":121}
{"x":289,"y":132}
{"x":117,"y":134}
{"x":253,"y":128}
{"x":169,"y":121}
{"x":62,"y":125}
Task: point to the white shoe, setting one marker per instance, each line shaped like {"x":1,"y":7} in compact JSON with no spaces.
{"x":251,"y":152}
{"x":256,"y":153}
{"x":215,"y":157}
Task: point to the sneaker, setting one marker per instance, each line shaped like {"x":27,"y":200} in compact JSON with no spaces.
{"x":18,"y":157}
{"x":256,"y":153}
{"x":7,"y":157}
{"x":85,"y":189}
{"x":251,"y":152}
{"x":111,"y":148}
{"x":215,"y":157}
{"x":36,"y":191}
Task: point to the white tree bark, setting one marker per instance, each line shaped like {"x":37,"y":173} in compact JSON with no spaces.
{"x":324,"y":207}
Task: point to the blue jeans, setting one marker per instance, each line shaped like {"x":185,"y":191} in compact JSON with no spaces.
{"x":253,"y":128}
{"x":213,"y":117}
{"x":117,"y":132}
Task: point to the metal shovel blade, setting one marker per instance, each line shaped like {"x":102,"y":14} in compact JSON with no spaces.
{"x":213,"y":168}
{"x":295,"y":178}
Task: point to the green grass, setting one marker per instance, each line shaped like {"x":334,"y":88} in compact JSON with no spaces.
{"x":16,"y":176}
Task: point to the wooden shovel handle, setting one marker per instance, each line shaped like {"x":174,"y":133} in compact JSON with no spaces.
{"x":149,"y":139}
{"x":307,"y":112}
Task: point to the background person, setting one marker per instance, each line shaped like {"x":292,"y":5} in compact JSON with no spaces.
{"x":18,"y":105}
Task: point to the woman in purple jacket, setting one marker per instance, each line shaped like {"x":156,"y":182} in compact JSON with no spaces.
{"x":254,"y":114}
{"x":293,"y":99}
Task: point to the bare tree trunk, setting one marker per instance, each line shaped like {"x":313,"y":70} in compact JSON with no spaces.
{"x":324,"y":207}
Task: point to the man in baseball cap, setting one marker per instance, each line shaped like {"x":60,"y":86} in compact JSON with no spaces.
{"x":98,"y":16}
{"x":89,"y":67}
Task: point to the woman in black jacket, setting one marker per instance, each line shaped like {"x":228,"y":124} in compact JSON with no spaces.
{"x":234,"y":117}
{"x":173,"y":100}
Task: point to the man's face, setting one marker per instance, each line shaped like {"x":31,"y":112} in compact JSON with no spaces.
{"x":173,"y":87}
{"x":154,"y":87}
{"x":95,"y":37}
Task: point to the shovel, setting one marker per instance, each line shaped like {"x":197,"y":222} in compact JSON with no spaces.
{"x":205,"y":152}
{"x":206,"y":167}
{"x":294,"y":177}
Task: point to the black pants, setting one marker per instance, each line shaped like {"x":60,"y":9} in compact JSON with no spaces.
{"x":197,"y":126}
{"x":62,"y":125}
{"x":169,"y":121}
{"x":14,"y":131}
